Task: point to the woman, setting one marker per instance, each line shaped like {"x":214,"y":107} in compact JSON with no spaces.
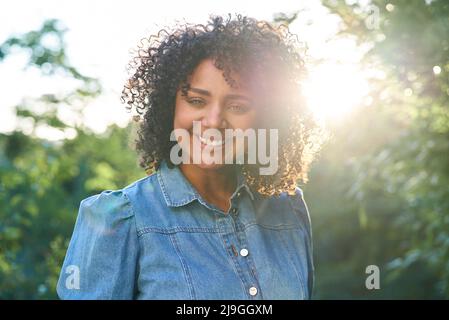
{"x":206,"y":223}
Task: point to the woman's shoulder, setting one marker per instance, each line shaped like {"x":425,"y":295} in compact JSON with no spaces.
{"x":105,"y":209}
{"x":295,"y":199}
{"x":144,"y":184}
{"x":300,"y":209}
{"x":116,"y":203}
{"x":288,"y":207}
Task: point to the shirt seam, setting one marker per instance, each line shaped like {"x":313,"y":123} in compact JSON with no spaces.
{"x":298,"y":272}
{"x":174,"y":230}
{"x":185,"y":268}
{"x":131,"y":208}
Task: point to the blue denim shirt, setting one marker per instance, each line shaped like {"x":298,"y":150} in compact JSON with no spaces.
{"x":159,"y":239}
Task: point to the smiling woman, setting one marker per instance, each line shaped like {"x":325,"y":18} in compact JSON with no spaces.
{"x":254,"y":58}
{"x":202,"y":229}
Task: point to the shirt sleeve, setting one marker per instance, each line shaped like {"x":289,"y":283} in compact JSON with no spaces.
{"x":101,"y":259}
{"x":302,"y":211}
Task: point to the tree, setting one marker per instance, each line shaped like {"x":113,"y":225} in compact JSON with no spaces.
{"x":43,"y":182}
{"x":389,"y":202}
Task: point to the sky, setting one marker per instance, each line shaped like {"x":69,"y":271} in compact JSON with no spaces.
{"x":101,"y":34}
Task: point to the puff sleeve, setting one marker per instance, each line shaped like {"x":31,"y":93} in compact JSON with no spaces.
{"x":101,"y":260}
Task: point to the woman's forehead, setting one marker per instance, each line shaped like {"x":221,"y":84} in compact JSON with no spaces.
{"x":207,"y":76}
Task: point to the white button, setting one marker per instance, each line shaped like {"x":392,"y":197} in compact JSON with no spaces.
{"x":238,"y":194}
{"x":253,"y":291}
{"x":244,"y":252}
{"x":234,"y":210}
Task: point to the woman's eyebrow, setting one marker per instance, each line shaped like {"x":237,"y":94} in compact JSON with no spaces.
{"x":208,"y":94}
{"x":200,"y":91}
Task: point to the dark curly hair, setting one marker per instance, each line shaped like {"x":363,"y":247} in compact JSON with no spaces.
{"x":251,"y":48}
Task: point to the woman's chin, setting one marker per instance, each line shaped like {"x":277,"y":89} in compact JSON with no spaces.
{"x":210,"y":166}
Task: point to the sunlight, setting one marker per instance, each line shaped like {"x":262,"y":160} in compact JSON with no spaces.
{"x":333,"y":90}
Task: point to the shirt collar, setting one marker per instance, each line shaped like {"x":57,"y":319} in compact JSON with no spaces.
{"x":178,"y":191}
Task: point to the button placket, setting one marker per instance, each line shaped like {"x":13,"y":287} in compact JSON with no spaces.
{"x":234,"y":250}
{"x":239,"y":253}
{"x":246,"y":260}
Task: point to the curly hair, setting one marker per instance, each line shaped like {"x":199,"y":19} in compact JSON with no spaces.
{"x":265,"y":56}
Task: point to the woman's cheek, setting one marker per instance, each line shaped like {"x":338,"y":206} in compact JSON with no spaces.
{"x":183,"y":117}
{"x":246,"y":122}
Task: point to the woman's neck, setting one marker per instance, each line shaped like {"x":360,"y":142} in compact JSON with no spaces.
{"x":214,"y":185}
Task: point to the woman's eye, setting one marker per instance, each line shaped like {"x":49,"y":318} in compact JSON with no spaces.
{"x":238,"y":108}
{"x":195,"y":102}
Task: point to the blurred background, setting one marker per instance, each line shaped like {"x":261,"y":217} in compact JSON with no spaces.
{"x":378,"y":81}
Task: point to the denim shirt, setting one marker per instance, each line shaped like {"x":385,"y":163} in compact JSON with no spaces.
{"x":159,"y":239}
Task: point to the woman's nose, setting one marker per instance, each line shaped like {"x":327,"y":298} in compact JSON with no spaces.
{"x":214,"y":118}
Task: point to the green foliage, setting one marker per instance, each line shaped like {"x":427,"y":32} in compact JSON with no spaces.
{"x":43,"y":182}
{"x":379,"y":193}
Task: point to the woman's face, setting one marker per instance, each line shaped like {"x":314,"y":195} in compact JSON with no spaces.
{"x":214,"y":104}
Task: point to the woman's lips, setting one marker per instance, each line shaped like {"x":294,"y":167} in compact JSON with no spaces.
{"x":211,"y":143}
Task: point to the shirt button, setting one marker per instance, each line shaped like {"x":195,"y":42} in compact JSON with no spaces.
{"x":234,"y":210}
{"x":238,"y":194}
{"x":244,"y":252}
{"x":253,"y":291}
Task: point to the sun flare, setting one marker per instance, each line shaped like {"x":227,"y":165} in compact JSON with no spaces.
{"x":334,"y":90}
